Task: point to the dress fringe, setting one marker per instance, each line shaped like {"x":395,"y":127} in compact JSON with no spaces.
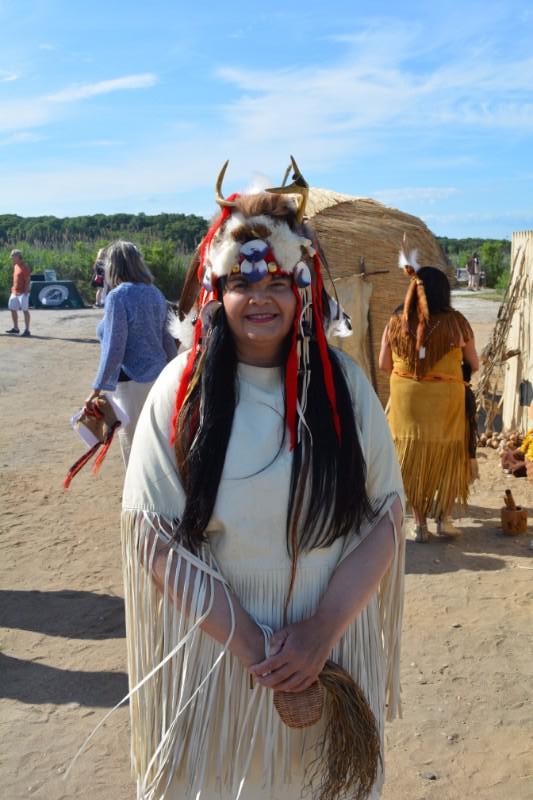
{"x":436,"y":474}
{"x":193,"y":714}
{"x":391,"y":593}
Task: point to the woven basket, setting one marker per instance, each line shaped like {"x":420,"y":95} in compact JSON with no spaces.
{"x":300,"y":709}
{"x":529,"y":469}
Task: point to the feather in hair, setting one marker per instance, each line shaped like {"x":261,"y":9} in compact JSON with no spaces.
{"x":406,"y":260}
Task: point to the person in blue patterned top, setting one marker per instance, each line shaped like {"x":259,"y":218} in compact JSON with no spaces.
{"x":135,"y":342}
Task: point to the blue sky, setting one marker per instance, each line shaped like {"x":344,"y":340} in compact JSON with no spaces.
{"x":115,"y":106}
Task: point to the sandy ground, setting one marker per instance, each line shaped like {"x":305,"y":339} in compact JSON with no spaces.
{"x":467,"y":653}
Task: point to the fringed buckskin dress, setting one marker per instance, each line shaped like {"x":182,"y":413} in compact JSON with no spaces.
{"x":198,"y":731}
{"x":427,"y":413}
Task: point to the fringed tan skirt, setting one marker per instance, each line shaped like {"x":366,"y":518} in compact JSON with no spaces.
{"x":429,"y":428}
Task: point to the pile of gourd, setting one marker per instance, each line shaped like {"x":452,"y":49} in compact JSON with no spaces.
{"x":501,"y":441}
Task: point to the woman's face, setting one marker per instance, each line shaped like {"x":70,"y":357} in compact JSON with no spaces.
{"x":260,"y":315}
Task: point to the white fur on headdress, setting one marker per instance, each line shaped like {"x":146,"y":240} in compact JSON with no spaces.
{"x":182,"y":330}
{"x":286,"y":245}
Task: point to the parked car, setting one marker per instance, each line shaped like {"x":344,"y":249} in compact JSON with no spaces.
{"x":461,"y":276}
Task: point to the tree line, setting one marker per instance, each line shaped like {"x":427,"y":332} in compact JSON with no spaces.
{"x":69,"y":246}
{"x":185,"y":230}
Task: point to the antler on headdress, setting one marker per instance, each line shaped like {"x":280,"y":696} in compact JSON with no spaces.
{"x":219,"y":197}
{"x":298,"y":186}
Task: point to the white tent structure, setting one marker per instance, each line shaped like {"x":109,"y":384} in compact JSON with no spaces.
{"x":518,"y":385}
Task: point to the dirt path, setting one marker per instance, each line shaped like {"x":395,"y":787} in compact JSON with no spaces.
{"x":467,"y":653}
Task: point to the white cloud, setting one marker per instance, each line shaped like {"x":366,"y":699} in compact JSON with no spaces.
{"x":21,"y":137}
{"x":22,"y":114}
{"x":166,"y":171}
{"x":83,"y":91}
{"x":379,"y":88}
{"x":482,"y":216}
{"x":95,"y":143}
{"x":8,"y":77}
{"x":491,"y":224}
{"x":427,"y":194}
{"x":383,"y":41}
{"x":37,"y":111}
{"x":436,"y":162}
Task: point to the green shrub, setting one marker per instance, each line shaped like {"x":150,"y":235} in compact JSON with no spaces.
{"x":74,"y":261}
{"x":502,"y":282}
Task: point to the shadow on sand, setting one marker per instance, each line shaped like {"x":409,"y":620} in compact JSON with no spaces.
{"x":31,"y":682}
{"x":481,"y":548}
{"x":50,"y":338}
{"x":71,"y":614}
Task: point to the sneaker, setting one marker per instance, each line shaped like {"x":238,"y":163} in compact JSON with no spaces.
{"x":14,"y":331}
{"x":447,"y":530}
{"x":26,"y":333}
{"x":421,"y":533}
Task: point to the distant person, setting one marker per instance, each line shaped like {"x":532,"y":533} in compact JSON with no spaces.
{"x":423,"y":349}
{"x":98,"y":279}
{"x":474,"y":273}
{"x":19,"y":299}
{"x":135,"y":343}
{"x":470,"y":266}
{"x":476,"y":283}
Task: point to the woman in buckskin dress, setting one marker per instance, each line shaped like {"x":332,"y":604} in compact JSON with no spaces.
{"x":262,"y":524}
{"x":423,"y":349}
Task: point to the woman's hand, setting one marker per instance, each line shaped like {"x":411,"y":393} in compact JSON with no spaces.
{"x":89,"y":405}
{"x":298,"y":653}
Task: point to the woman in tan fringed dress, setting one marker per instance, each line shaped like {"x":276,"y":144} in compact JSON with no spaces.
{"x":262,"y":533}
{"x":423,"y":349}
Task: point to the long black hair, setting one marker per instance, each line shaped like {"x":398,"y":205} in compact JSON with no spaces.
{"x":437,"y":289}
{"x":328,"y":479}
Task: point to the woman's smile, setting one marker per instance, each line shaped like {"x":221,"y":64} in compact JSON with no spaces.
{"x":260,"y":318}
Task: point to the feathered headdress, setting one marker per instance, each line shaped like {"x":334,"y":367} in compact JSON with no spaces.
{"x":256,"y":246}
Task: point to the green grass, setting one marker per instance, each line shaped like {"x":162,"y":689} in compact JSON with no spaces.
{"x":495,"y":295}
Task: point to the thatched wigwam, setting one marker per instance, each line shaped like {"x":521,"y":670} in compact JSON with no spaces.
{"x":518,"y":386}
{"x":361,"y":239}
